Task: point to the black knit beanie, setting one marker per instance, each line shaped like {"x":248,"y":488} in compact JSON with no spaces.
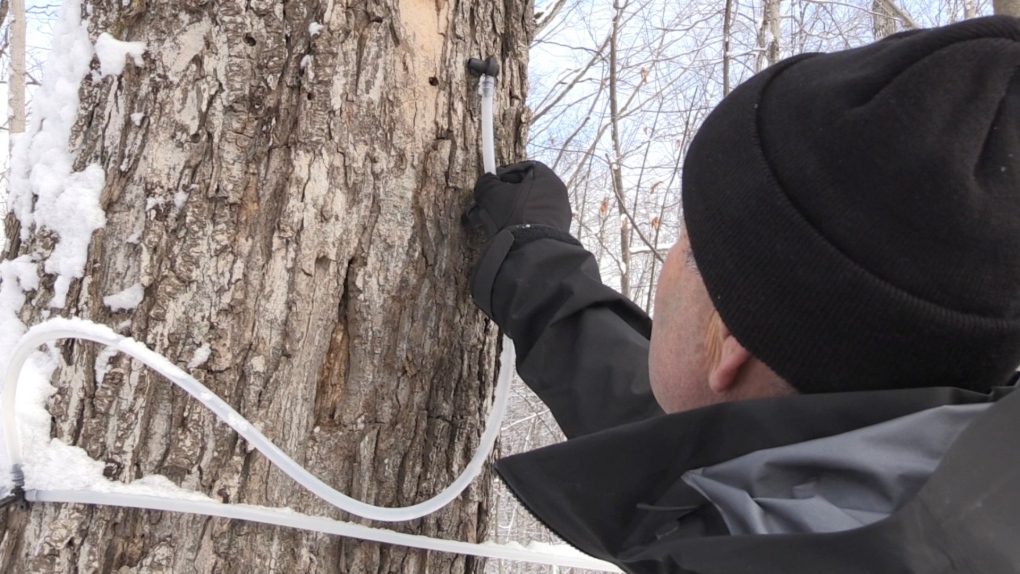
{"x":856,"y":215}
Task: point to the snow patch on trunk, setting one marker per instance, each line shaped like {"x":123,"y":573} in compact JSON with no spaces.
{"x":125,"y":300}
{"x":73,"y":212}
{"x":180,"y":198}
{"x":16,"y":278}
{"x":46,"y":192}
{"x":102,"y":365}
{"x":113,"y":54}
{"x":200,"y":357}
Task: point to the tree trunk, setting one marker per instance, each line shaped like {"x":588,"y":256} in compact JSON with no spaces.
{"x":289,"y":198}
{"x":16,"y":33}
{"x":883,"y":19}
{"x":768,"y":35}
{"x":616,"y":162}
{"x":727,"y":33}
{"x":969,"y":9}
{"x":1007,"y":7}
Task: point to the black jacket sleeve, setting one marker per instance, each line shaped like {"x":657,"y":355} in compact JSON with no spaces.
{"x":581,"y":346}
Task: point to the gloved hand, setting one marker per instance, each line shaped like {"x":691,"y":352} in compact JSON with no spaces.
{"x":526,"y":192}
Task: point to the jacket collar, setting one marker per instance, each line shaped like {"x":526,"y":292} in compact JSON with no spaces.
{"x":618,"y":494}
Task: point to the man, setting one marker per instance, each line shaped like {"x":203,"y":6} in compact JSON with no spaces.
{"x":851,"y":264}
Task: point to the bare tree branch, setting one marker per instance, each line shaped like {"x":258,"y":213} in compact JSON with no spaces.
{"x":577,"y":78}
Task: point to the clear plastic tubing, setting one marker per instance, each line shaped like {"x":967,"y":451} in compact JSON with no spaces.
{"x":60,"y":328}
{"x":290,"y":519}
{"x":486,"y":87}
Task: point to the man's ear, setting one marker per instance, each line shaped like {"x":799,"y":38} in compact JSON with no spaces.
{"x":723,"y":375}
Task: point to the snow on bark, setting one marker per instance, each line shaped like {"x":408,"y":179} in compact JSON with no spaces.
{"x":103,"y":363}
{"x":46,"y":192}
{"x":200,"y":357}
{"x":44,"y":148}
{"x":17,"y":277}
{"x":125,"y":300}
{"x":69,"y":206}
{"x":113,"y":54}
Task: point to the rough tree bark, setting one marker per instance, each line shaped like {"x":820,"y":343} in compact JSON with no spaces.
{"x":290,"y":198}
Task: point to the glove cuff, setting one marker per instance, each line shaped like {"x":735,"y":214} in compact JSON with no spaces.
{"x":484,"y":276}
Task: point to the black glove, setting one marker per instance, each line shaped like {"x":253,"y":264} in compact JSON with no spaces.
{"x":526,"y":192}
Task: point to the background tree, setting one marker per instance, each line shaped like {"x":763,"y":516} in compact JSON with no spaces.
{"x":17,"y":31}
{"x":282,"y":185}
{"x":883,"y":19}
{"x":1007,"y":7}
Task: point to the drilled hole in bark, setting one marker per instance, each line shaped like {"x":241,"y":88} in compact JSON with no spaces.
{"x":433,"y":81}
{"x":195,"y":138}
{"x":311,"y":96}
{"x":250,"y":40}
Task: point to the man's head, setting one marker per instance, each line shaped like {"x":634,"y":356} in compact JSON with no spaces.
{"x":694,"y":360}
{"x":855,"y":216}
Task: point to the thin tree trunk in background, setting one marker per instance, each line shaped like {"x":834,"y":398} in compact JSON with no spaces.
{"x":615,"y":163}
{"x":17,"y":83}
{"x":289,"y":197}
{"x":969,"y":9}
{"x":1007,"y":7}
{"x":727,"y":31}
{"x":768,"y":35}
{"x":16,"y":96}
{"x":904,"y":17}
{"x":883,"y":22}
